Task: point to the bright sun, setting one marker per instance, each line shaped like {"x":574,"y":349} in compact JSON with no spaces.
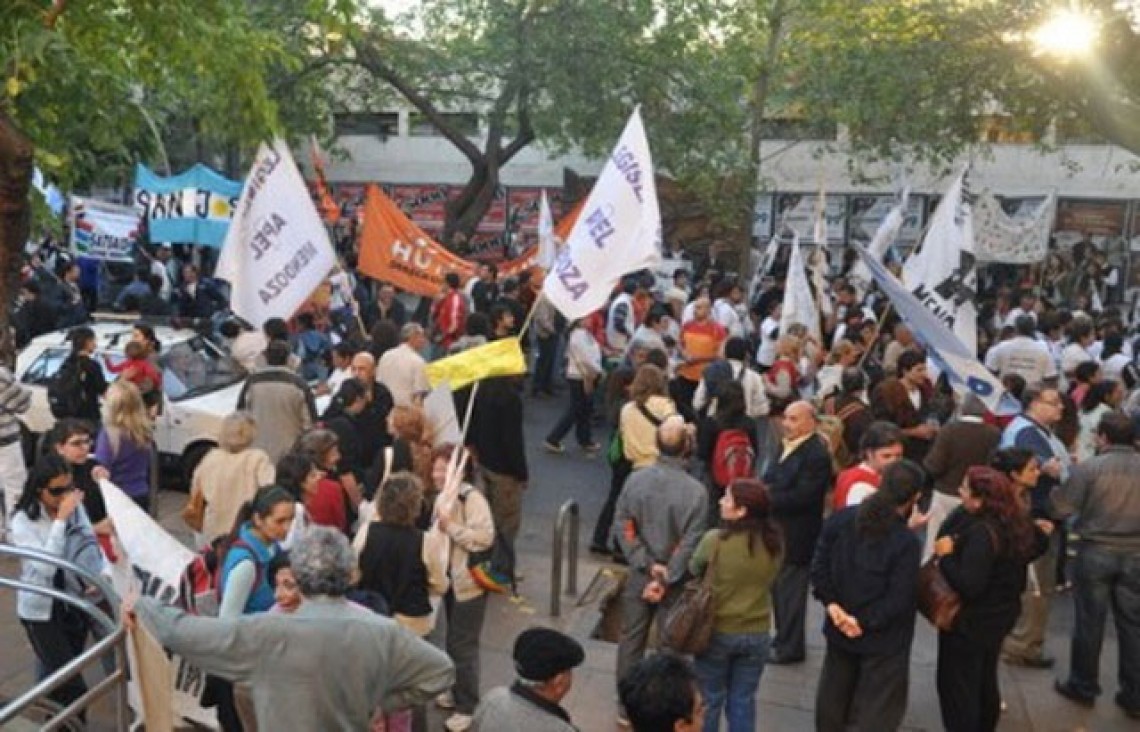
{"x":1067,"y":34}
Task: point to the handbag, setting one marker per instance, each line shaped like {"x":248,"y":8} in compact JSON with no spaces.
{"x":938,"y":601}
{"x":686,"y":625}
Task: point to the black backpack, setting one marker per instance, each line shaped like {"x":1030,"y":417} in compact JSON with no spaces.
{"x":65,"y":390}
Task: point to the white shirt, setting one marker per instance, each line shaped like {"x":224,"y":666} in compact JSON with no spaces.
{"x":157,"y":268}
{"x":582,"y":351}
{"x":337,"y":377}
{"x":724,"y":313}
{"x":766,"y":353}
{"x":1074,"y":355}
{"x":755,"y":397}
{"x":1023,"y":356}
{"x":404,"y":372}
{"x":1013,"y":315}
{"x":247,"y":347}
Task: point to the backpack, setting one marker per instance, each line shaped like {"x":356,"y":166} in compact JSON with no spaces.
{"x":65,"y":390}
{"x":733,"y":457}
{"x":493,"y":569}
{"x":202,"y":579}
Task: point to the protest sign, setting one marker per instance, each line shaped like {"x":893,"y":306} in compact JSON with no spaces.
{"x":1023,"y":239}
{"x":151,"y":562}
{"x":277,"y":250}
{"x":194,"y":207}
{"x":103,"y":230}
{"x":799,"y":305}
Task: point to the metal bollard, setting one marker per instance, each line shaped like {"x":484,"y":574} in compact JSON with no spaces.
{"x":568,"y":514}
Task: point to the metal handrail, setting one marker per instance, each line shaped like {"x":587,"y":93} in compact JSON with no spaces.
{"x":113,"y":642}
{"x":567,"y":515}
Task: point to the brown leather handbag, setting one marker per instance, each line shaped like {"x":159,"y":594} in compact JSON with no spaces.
{"x":686,"y":624}
{"x":938,"y":601}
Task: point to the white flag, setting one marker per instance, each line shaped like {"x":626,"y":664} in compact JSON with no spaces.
{"x":276,"y":251}
{"x":948,"y":352}
{"x":885,"y":235}
{"x":999,"y":237}
{"x":547,"y":248}
{"x":618,"y":232}
{"x":799,"y":305}
{"x":943,"y":274}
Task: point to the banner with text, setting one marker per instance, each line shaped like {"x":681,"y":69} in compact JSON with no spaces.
{"x":619,"y":230}
{"x":152,"y":563}
{"x":194,"y":207}
{"x":277,"y":251}
{"x":103,"y":230}
{"x":393,"y":249}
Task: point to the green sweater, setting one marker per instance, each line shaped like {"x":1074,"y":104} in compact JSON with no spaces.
{"x":742,"y":581}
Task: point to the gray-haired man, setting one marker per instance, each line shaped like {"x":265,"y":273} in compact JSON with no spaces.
{"x":349,"y":659}
{"x":403,"y":370}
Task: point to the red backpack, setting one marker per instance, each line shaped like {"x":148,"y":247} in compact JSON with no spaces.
{"x":733,"y":457}
{"x":202,"y":579}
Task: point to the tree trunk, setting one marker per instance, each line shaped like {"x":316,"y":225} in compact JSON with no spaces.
{"x":757,"y":104}
{"x":15,"y":222}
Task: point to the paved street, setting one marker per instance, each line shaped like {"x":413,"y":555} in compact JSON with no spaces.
{"x":787,"y":694}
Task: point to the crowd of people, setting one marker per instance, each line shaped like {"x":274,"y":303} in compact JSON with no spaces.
{"x":783,"y":465}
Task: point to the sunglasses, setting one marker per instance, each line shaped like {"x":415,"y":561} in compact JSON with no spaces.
{"x":62,"y":490}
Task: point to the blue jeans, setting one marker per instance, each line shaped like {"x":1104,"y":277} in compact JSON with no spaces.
{"x":1102,"y":578}
{"x":729,"y":671}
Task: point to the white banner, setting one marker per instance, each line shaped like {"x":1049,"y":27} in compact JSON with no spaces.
{"x":943,"y":275}
{"x":103,"y":230}
{"x":276,"y":251}
{"x":619,"y":230}
{"x":890,"y":227}
{"x":1024,"y":239}
{"x":151,"y":563}
{"x":799,"y":212}
{"x":799,"y":305}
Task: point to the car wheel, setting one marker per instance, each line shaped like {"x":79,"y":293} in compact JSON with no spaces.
{"x":190,"y":459}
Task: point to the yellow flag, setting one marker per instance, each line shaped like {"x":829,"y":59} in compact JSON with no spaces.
{"x":497,"y":358}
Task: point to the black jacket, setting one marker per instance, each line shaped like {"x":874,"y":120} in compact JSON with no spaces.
{"x":496,"y":432}
{"x":873,"y":579}
{"x":797,"y":486}
{"x":987,"y":577}
{"x":392,"y":564}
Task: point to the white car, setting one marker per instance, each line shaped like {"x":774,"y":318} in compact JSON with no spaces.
{"x":200,"y":384}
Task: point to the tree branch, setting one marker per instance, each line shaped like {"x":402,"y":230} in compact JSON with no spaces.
{"x":370,"y":59}
{"x":525,"y":135}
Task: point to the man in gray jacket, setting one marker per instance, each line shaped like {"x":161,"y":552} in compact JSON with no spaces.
{"x":658,"y":521}
{"x":280,"y":401}
{"x":1103,"y":495}
{"x":325,"y":667}
{"x":545,"y":660}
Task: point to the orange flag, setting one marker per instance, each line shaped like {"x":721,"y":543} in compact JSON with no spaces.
{"x":393,"y":249}
{"x":330,"y":211}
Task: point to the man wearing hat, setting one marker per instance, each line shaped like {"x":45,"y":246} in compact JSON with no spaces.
{"x":544,"y":663}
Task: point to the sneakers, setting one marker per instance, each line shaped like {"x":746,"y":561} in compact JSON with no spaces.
{"x":555,"y":448}
{"x":591,"y":448}
{"x":445,"y":701}
{"x":1041,"y":661}
{"x":458,"y":722}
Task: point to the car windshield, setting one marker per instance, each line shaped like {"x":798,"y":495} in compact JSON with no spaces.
{"x":196,"y":367}
{"x":190,"y":368}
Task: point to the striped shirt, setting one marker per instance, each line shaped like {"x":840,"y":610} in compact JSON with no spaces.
{"x":14,"y":399}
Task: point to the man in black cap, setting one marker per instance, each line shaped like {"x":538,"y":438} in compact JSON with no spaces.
{"x":544,"y":665}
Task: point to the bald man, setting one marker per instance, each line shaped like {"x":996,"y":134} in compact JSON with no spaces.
{"x":797,"y":483}
{"x":373,"y":421}
{"x":659,"y":519}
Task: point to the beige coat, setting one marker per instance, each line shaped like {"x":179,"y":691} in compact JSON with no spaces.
{"x":227,"y":480}
{"x":471,"y":529}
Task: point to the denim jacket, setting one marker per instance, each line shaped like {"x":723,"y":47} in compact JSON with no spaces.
{"x":73,"y":540}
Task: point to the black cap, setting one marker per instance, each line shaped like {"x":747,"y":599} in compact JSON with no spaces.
{"x":542,"y":653}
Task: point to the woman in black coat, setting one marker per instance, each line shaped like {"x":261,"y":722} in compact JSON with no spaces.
{"x":984,"y":547}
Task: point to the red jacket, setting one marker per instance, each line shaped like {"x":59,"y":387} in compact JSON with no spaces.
{"x":846,"y":481}
{"x":449,"y":315}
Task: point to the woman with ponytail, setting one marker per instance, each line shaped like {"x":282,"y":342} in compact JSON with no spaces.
{"x":985,"y":546}
{"x":744,"y":555}
{"x":243,"y":582}
{"x":865,"y":573}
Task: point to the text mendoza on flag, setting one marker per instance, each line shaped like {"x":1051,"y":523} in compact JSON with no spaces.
{"x":958,"y":362}
{"x":618,"y":232}
{"x":277,"y":250}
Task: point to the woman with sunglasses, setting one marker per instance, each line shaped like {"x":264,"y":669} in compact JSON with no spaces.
{"x":50,"y":518}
